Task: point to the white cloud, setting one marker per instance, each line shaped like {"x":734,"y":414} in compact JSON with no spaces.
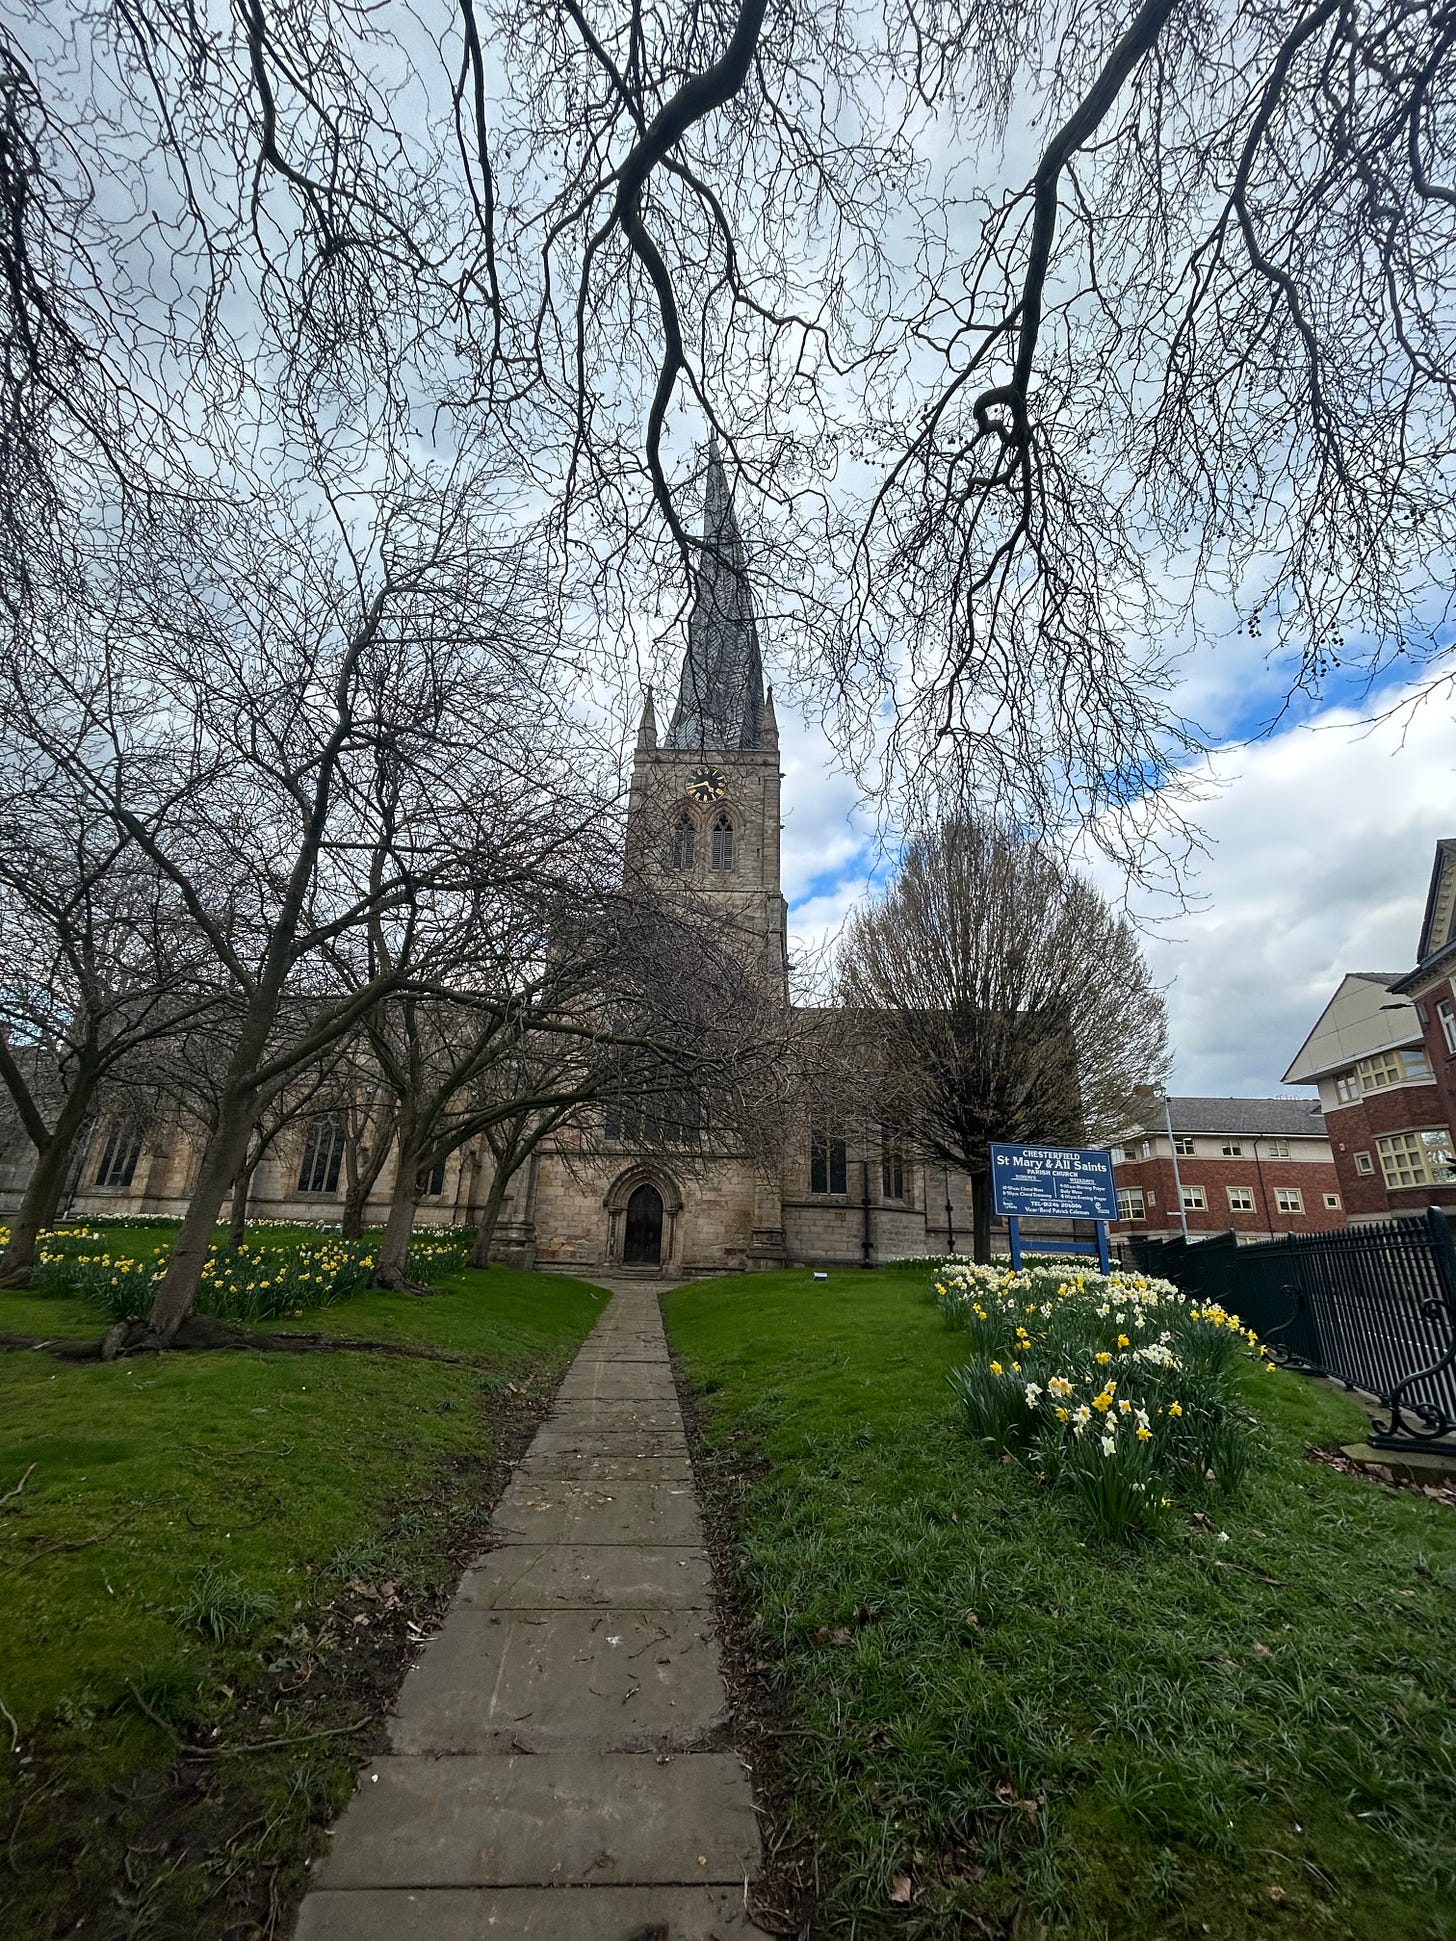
{"x":1321,"y":844}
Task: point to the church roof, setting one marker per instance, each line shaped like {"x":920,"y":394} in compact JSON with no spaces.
{"x":720,"y":698}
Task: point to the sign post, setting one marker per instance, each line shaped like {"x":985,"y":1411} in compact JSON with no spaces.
{"x":1054,"y":1183}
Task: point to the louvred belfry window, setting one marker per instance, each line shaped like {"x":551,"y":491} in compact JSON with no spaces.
{"x":682,"y":849}
{"x":723,"y":843}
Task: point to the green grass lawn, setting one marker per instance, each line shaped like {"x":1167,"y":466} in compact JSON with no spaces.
{"x":275,"y":1498}
{"x":1242,"y":1726}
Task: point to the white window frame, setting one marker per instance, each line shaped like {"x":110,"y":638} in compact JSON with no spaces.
{"x":1347,"y":1088}
{"x":1446,"y":1018}
{"x":1413,"y":1158}
{"x":1332,"y":1202}
{"x":1278,"y":1149}
{"x":1379,"y":1071}
{"x":1240,"y":1199}
{"x":1184,"y":1146}
{"x":1416,"y":1065}
{"x":1232,"y":1149}
{"x":1131,"y":1204}
{"x":1195,"y":1199}
{"x":1364,"y":1165}
{"x":1288,"y":1199}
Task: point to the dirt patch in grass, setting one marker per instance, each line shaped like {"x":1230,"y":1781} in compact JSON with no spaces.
{"x":215,"y":1840}
{"x":782,"y":1898}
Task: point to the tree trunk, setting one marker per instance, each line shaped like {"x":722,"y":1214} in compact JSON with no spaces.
{"x":363,"y":1163}
{"x":222,"y":1158}
{"x":242,"y":1192}
{"x":490,"y":1218}
{"x":981,"y":1216}
{"x":391,"y":1267}
{"x":43,"y":1190}
{"x":356,"y":1198}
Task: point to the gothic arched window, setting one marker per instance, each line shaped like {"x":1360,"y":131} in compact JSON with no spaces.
{"x":683,"y":848}
{"x":723,"y":842}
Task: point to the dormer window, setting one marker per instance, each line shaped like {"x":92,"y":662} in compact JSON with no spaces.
{"x":682,"y":849}
{"x":723,"y":842}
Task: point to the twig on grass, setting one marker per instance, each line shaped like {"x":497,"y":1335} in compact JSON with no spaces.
{"x":19,"y":1486}
{"x":14,"y":1728}
{"x":55,"y":1549}
{"x":255,"y":1745}
{"x":266,"y":1745}
{"x":1232,"y":1563}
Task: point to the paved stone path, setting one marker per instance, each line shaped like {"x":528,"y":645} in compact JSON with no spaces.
{"x":559,"y":1764}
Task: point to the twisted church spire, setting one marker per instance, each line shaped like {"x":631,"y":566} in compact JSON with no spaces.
{"x":720,"y":698}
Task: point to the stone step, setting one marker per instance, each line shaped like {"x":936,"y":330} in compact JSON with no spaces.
{"x":546,"y":1819}
{"x":528,"y":1914}
{"x":581,"y":1466}
{"x":621,"y":1680}
{"x":590,"y":1576}
{"x":555,"y":1510}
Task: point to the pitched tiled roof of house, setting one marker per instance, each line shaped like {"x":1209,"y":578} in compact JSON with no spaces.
{"x":1253,"y":1118}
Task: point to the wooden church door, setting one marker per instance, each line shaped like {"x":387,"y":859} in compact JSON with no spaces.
{"x":642,"y":1245}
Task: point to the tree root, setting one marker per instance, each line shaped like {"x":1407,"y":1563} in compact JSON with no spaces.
{"x":135,"y":1338}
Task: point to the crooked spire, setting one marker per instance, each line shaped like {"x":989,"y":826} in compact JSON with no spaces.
{"x":720,"y":698}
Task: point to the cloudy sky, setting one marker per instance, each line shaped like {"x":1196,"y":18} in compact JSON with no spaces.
{"x":1320,"y":839}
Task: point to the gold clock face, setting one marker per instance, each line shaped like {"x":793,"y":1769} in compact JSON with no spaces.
{"x":707,"y":785}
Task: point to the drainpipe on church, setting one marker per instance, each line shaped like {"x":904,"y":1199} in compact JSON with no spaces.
{"x":866,"y":1262}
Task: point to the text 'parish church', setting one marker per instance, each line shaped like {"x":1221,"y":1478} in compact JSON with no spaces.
{"x":705,"y":808}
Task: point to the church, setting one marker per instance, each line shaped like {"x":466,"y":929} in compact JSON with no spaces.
{"x":704,"y":806}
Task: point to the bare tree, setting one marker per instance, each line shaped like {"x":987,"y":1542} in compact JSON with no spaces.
{"x":296,"y":729}
{"x":1000,"y":998}
{"x":1031,"y":344}
{"x":99,"y":968}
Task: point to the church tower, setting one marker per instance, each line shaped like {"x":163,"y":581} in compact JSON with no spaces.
{"x":704,"y":805}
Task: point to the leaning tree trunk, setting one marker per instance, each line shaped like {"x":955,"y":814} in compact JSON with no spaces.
{"x":489,"y":1219}
{"x":37,"y":1209}
{"x":361,"y":1175}
{"x":222,"y":1157}
{"x":391,"y":1267}
{"x":242,"y":1193}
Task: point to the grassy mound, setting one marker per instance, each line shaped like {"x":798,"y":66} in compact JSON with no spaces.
{"x":981,"y":1716}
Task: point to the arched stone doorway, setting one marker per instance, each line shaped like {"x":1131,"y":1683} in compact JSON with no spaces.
{"x":642,"y":1206}
{"x":642,"y":1227}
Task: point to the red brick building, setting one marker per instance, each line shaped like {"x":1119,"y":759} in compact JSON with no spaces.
{"x":1431,"y":986}
{"x":1386,"y":1099}
{"x":1255,"y":1167}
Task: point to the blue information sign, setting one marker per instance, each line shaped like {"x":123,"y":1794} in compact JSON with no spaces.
{"x":1053,"y":1182}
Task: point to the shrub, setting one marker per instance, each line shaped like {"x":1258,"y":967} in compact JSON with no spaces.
{"x":1122,"y":1387}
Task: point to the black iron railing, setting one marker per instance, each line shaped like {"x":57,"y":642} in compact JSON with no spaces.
{"x":1373,"y":1307}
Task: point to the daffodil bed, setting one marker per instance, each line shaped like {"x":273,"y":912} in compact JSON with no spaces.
{"x":977,"y":1716}
{"x":232,"y":1549}
{"x":1113,"y":1387}
{"x":278,"y":1271}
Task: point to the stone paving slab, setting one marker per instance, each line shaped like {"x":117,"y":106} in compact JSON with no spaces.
{"x":543,"y":1819}
{"x":527,"y":1681}
{"x":635,"y":1381}
{"x":546,"y":1576}
{"x":555,"y":1510}
{"x":659,"y":1416}
{"x":609,"y":1442}
{"x":578,"y":1465}
{"x":557,"y":1767}
{"x":529,"y":1914}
